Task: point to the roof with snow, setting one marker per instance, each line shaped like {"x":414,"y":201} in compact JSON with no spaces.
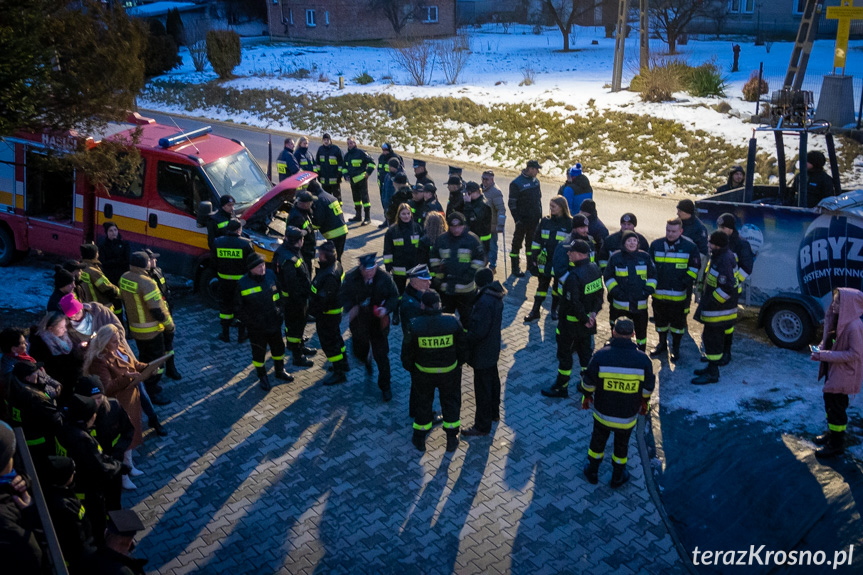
{"x":161,"y":8}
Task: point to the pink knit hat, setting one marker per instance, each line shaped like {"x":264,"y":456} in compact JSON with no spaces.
{"x":70,"y":305}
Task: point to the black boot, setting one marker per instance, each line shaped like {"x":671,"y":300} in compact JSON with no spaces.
{"x":710,"y":374}
{"x":823,"y":439}
{"x":675,"y":346}
{"x":559,"y":389}
{"x":834,"y":448}
{"x":554,"y":302}
{"x":662,"y":346}
{"x":368,"y":218}
{"x":452,"y":440}
{"x":263,"y":378}
{"x":299,"y":360}
{"x":619,"y":475}
{"x":641,"y":346}
{"x":171,"y":369}
{"x":337,"y":376}
{"x":591,"y":470}
{"x":419,"y":439}
{"x":534,"y":313}
{"x":157,"y":427}
{"x":225,"y":336}
{"x":516,"y":268}
{"x":307,"y":350}
{"x":242,"y":334}
{"x":726,"y":351}
{"x":358,"y":217}
{"x":280,"y":372}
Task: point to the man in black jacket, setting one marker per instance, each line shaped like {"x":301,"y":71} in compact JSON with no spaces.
{"x":581,"y":300}
{"x":219,"y":219}
{"x":819,"y":184}
{"x":433,"y":353}
{"x":421,"y":174}
{"x":295,"y":284}
{"x":330,"y":166}
{"x":300,"y":217}
{"x":525,"y":204}
{"x":368,"y":295}
{"x":742,"y":250}
{"x":477,"y":211}
{"x":19,"y":520}
{"x":286,"y":163}
{"x":483,"y":337}
{"x":327,"y":217}
{"x":326,"y":307}
{"x":359,"y":166}
{"x":456,"y":257}
{"x":231,"y":251}
{"x":692,"y":226}
{"x":260,"y":311}
{"x":68,"y":515}
{"x":618,"y":380}
{"x":114,"y":557}
{"x":33,"y":409}
{"x":614,"y":242}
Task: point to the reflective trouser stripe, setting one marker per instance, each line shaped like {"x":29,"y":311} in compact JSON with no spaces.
{"x":37,"y":441}
{"x":445,"y":369}
{"x":226,"y":316}
{"x":595,"y":455}
{"x":830,"y":426}
{"x":257,"y":363}
{"x":451,"y":425}
{"x":425,"y":427}
{"x":619,"y":460}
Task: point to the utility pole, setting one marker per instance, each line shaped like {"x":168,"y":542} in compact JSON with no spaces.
{"x":643,"y":36}
{"x":619,"y":40}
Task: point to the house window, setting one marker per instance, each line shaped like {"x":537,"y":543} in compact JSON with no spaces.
{"x":430,"y":14}
{"x":741,"y":6}
{"x":291,"y":16}
{"x":327,"y":18}
{"x":310,"y":18}
{"x":799,"y":6}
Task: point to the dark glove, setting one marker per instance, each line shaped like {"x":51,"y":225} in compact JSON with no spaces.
{"x":125,"y":469}
{"x":586,"y":400}
{"x":158,"y":314}
{"x":532,"y":267}
{"x":645,"y":406}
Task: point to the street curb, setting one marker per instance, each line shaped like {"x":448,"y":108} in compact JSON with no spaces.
{"x":650,"y":483}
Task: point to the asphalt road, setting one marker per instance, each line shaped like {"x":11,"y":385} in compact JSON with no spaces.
{"x":652,"y":212}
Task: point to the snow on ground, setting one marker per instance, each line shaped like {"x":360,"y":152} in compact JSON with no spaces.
{"x":29,"y":284}
{"x":497,"y":66}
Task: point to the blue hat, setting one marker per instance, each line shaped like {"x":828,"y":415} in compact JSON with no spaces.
{"x":419,"y":272}
{"x":419,"y":164}
{"x":454,"y":171}
{"x":575,"y":171}
{"x":293,"y":233}
{"x":369,"y":261}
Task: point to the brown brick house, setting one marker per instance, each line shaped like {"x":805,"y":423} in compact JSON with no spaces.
{"x":354,"y":20}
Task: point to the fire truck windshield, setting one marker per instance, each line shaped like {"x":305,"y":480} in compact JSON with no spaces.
{"x":239,"y":176}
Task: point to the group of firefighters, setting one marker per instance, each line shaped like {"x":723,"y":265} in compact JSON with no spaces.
{"x":439,"y":262}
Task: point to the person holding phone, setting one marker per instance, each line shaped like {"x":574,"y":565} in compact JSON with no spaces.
{"x":841,"y":357}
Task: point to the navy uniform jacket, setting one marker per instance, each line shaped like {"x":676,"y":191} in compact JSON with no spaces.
{"x":677,"y":266}
{"x":718,"y":305}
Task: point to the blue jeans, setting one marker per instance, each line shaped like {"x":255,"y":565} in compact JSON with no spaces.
{"x":146,"y":404}
{"x":492,"y":251}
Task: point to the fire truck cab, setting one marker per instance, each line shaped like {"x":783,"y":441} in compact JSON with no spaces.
{"x":55,"y":212}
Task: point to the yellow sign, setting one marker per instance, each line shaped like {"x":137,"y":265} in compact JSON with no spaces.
{"x":844,"y":13}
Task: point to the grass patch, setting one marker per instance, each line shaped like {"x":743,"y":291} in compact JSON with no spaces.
{"x":363,"y":79}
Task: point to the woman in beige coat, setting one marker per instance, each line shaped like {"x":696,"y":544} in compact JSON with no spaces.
{"x":118,"y":371}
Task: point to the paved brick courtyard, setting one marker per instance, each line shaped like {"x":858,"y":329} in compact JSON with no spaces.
{"x":308,"y":479}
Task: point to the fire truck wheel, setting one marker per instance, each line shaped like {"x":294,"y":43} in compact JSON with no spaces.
{"x":208,"y":287}
{"x":788,"y":326}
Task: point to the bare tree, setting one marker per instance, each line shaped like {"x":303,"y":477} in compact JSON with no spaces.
{"x":416,"y":57}
{"x":453,"y":53}
{"x":669,"y":18}
{"x":565,"y":12}
{"x":195,"y":37}
{"x":398,"y":12}
{"x":718,"y":11}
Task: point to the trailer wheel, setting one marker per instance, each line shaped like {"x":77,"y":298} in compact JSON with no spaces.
{"x":7,"y":248}
{"x":789,"y":326}
{"x":208,"y":287}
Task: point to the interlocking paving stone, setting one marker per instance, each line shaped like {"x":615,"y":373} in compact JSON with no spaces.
{"x":308,"y":479}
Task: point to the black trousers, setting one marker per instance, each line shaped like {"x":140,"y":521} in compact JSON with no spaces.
{"x":334,"y":189}
{"x":401,"y":282}
{"x":295,"y":321}
{"x":340,"y":246}
{"x":259,"y":342}
{"x":600,"y":438}
{"x":458,"y":302}
{"x":670,"y":316}
{"x":227,"y":303}
{"x":713,"y":338}
{"x":572,"y":340}
{"x":330,"y":334}
{"x":639,"y":318}
{"x":836,"y":405}
{"x":542,"y":287}
{"x":486,"y":387}
{"x":449,"y":391}
{"x":360,"y":194}
{"x":523,"y":234}
{"x":148,"y":350}
{"x":366,"y":332}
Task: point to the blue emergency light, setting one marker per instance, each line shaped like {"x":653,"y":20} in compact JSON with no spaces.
{"x":181,"y":137}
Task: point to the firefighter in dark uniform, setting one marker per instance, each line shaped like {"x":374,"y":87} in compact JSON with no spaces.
{"x":433,"y":352}
{"x":97,"y":286}
{"x":630,"y":279}
{"x":421,"y":173}
{"x":525,"y":204}
{"x":741,"y":248}
{"x":368,"y":295}
{"x":303,"y":156}
{"x":155,"y":273}
{"x":581,"y":300}
{"x":387,"y":154}
{"x":431,"y":203}
{"x":232,"y":251}
{"x":618,"y":380}
{"x":455,"y":257}
{"x":456,"y":189}
{"x":301,"y":218}
{"x":551,"y":231}
{"x":358,"y":167}
{"x":33,"y":407}
{"x":114,"y":557}
{"x":614,"y":242}
{"x":477,"y":211}
{"x":330,"y":164}
{"x":417,"y":203}
{"x":560,"y":261}
{"x":326,"y":307}
{"x":717,"y":309}
{"x":327,"y":217}
{"x":693,"y":229}
{"x":402,"y":194}
{"x":219,"y":220}
{"x":68,"y":514}
{"x":401,"y":244}
{"x":260,"y":309}
{"x":677,"y":264}
{"x":295,"y":284}
{"x":286,"y":163}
